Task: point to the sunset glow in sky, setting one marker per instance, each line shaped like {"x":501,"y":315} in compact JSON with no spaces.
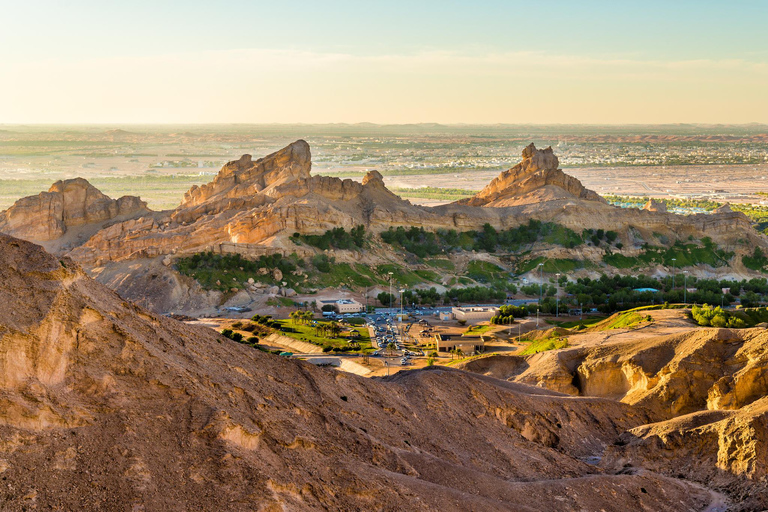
{"x":386,"y":62}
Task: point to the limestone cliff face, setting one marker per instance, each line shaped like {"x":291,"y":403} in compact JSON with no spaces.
{"x":245,"y":177}
{"x":67,"y":204}
{"x":538,"y":172}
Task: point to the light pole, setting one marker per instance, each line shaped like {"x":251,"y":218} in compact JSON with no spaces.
{"x":674,"y":270}
{"x":541,"y":282}
{"x":390,"y":291}
{"x":557,"y":296}
{"x":401,"y":305}
{"x":685,"y":287}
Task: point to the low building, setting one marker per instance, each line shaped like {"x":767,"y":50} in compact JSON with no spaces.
{"x":475,"y":313}
{"x":467,"y":344}
{"x":342,"y":306}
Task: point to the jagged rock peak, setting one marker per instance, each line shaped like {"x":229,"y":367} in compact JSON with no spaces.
{"x":245,"y":177}
{"x":726,"y":208}
{"x":68,"y":203}
{"x":655,"y":206}
{"x":535,"y":179}
{"x":374,"y":178}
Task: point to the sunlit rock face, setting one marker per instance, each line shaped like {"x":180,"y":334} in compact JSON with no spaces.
{"x":67,"y":204}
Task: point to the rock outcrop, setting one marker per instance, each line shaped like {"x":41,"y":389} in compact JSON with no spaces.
{"x":67,"y":204}
{"x":253,"y":208}
{"x":537,"y":178}
{"x":706,"y":388}
{"x":655,"y":206}
{"x":106,"y":406}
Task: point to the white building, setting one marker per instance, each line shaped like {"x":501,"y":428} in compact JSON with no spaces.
{"x":475,"y":313}
{"x":342,"y":306}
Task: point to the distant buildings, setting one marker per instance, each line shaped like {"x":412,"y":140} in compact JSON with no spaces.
{"x":342,"y":306}
{"x":467,"y":344}
{"x":475,"y":313}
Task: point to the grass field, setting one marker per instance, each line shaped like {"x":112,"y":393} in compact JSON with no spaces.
{"x":544,"y":345}
{"x":626,"y":320}
{"x":308,"y":333}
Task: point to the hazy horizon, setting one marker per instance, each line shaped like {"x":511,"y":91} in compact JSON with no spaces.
{"x":477,"y":63}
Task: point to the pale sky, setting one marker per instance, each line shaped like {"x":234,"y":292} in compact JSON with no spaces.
{"x":399,"y":61}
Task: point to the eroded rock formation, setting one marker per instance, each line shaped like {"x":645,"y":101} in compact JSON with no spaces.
{"x":706,"y":388}
{"x":255,"y":206}
{"x":536,"y":178}
{"x":106,"y":406}
{"x":67,"y":204}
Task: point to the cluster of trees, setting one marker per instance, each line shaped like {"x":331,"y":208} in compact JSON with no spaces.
{"x":424,"y":243}
{"x":618,"y":293}
{"x":234,"y":262}
{"x":474,"y":294}
{"x":328,"y":329}
{"x":323,"y":262}
{"x":236,"y":336}
{"x":507,"y":314}
{"x":266,"y":320}
{"x":432,"y":297}
{"x":717,"y":317}
{"x":547,"y":290}
{"x":302,"y":317}
{"x":598,"y":236}
{"x":757,"y":261}
{"x":386,"y":298}
{"x":336,"y":238}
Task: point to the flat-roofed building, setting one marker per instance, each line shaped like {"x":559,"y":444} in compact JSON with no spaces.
{"x":467,"y":344}
{"x":475,"y":313}
{"x":342,"y":306}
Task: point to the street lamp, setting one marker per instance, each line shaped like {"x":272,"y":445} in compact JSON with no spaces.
{"x":390,"y":290}
{"x":557,"y":296}
{"x":541,"y":281}
{"x":685,"y":287}
{"x":401,"y":304}
{"x":674,"y":269}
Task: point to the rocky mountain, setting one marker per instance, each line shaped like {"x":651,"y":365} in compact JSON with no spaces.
{"x":253,"y":207}
{"x":535,"y":179}
{"x":261,"y":203}
{"x":106,"y":406}
{"x":68,"y":204}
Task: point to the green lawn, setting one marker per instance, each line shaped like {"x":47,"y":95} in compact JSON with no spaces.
{"x":476,"y":330}
{"x":443,"y":264}
{"x":307,"y":333}
{"x":590,"y":320}
{"x":625,"y":320}
{"x":345,"y":273}
{"x":400,"y":275}
{"x":543,"y":345}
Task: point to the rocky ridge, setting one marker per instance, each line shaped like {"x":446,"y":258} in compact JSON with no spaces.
{"x":67,"y":204}
{"x":253,"y":207}
{"x":117,"y":408}
{"x":706,"y":389}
